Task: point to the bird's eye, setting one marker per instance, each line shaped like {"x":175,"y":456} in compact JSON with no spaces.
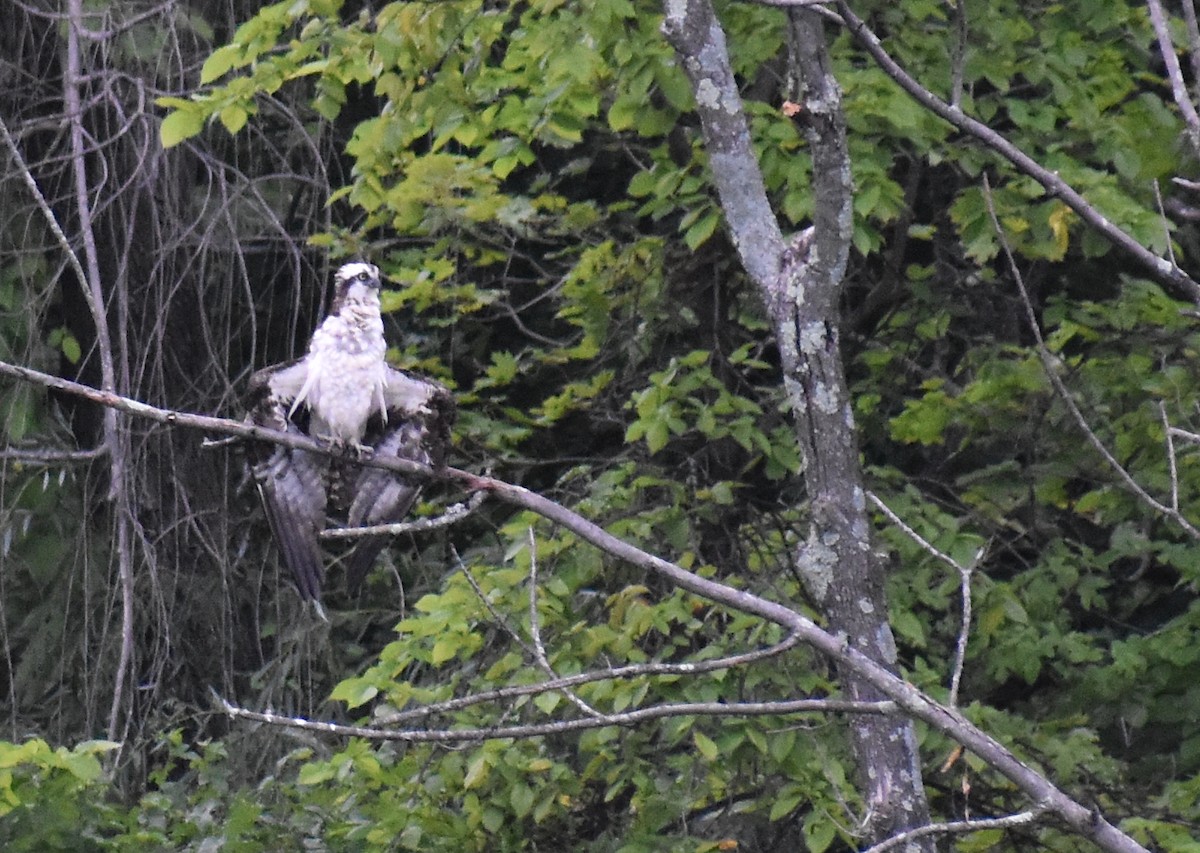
{"x":363,"y":276}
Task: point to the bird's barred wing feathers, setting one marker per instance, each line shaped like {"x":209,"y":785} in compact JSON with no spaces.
{"x":420,"y":414}
{"x":291,"y":482}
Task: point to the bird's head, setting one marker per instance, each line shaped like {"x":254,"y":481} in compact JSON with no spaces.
{"x":355,"y":282}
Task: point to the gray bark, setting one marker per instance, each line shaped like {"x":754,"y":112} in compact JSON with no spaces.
{"x":800,"y":284}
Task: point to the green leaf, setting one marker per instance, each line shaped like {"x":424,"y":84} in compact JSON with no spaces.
{"x":477,"y":770}
{"x":315,"y":773}
{"x":706,"y":746}
{"x":234,"y":118}
{"x":657,"y":435}
{"x":786,"y":801}
{"x":907,"y":625}
{"x":354,"y":692}
{"x":220,"y":61}
{"x":180,"y":125}
{"x":444,"y":649}
{"x":701,"y":230}
{"x":521,"y":799}
{"x":819,"y":832}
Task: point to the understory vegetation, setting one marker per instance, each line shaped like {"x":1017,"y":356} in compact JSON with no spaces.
{"x":533,"y":181}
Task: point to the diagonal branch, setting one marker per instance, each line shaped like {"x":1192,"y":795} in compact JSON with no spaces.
{"x":1060,"y":388}
{"x":1083,"y":820}
{"x":1166,"y":49}
{"x":1160,"y":269}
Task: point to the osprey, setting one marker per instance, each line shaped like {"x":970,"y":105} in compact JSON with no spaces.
{"x":343,"y":393}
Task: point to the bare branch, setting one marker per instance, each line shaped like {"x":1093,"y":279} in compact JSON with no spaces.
{"x":907,"y":697}
{"x":1193,"y":437}
{"x":964,"y":573}
{"x":1193,"y":31}
{"x":921,"y":541}
{"x":1048,"y":365}
{"x":1171,"y":462}
{"x":959,"y":827}
{"x":1166,"y":223}
{"x":958,"y":52}
{"x":42,"y":205}
{"x":47,"y":456}
{"x":1179,"y":92}
{"x":537,"y":651}
{"x":1160,"y":269}
{"x":491,"y":608}
{"x":93,"y":293}
{"x":450,"y":515}
{"x":535,"y":631}
{"x":626,"y":718}
{"x":642,"y":670}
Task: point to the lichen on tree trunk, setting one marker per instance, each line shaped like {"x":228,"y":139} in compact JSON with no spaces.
{"x":800,"y":283}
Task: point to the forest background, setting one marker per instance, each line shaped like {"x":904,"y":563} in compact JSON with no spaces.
{"x":547,"y":190}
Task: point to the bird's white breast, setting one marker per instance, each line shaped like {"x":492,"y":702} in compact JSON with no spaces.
{"x":347,"y":373}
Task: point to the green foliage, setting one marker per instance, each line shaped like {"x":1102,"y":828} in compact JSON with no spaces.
{"x":53,"y":799}
{"x":548,"y":227}
{"x":489,"y":137}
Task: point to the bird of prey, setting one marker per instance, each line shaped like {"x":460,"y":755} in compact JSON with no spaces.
{"x":343,"y":393}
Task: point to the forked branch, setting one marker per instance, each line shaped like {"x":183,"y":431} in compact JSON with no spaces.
{"x":1161,"y":269}
{"x":1083,"y":820}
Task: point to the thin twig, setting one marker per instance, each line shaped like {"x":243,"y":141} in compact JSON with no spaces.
{"x":1193,"y":437}
{"x":450,"y":515}
{"x":958,"y":53}
{"x":1179,"y":92}
{"x":964,"y":585}
{"x":1162,"y":412}
{"x":912,"y":534}
{"x":1060,"y":388}
{"x":93,"y":292}
{"x":795,"y":4}
{"x":38,"y":456}
{"x":499,"y":617}
{"x":964,"y":630}
{"x":1161,"y":269}
{"x":1193,"y":31}
{"x":625,"y":718}
{"x":539,"y":649}
{"x":1166,"y":223}
{"x":642,"y":670}
{"x":958,"y":827}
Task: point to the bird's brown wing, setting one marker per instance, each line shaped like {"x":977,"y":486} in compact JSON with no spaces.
{"x":420,"y":414}
{"x":291,"y":482}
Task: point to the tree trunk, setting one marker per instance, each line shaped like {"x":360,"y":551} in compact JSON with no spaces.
{"x":800,"y":284}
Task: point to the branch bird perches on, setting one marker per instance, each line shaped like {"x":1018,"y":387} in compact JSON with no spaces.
{"x":342,"y":392}
{"x":1083,"y":820}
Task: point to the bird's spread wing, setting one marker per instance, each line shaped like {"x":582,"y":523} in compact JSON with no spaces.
{"x":417,"y":428}
{"x":291,"y":482}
